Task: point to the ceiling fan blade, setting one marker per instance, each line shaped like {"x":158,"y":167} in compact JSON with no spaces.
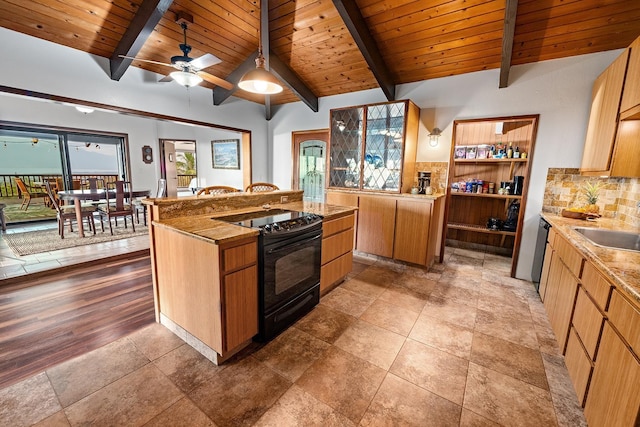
{"x":165,"y":79}
{"x":204,"y":61}
{"x":215,"y":80}
{"x":146,"y":60}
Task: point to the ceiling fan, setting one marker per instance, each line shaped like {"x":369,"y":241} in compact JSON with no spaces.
{"x":189,"y":69}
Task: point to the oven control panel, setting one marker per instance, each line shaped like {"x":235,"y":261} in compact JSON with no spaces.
{"x":292,"y":224}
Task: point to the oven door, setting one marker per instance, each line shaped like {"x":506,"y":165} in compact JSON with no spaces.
{"x":291,"y":266}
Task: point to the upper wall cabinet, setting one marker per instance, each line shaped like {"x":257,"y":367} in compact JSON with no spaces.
{"x":630,"y":107}
{"x":373,"y":147}
{"x":611,"y":146}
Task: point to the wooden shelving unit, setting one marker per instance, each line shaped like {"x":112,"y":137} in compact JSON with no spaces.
{"x":467,"y":214}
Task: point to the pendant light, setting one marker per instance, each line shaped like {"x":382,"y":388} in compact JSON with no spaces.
{"x":260,"y":80}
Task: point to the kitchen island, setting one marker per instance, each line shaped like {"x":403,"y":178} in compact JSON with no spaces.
{"x":592,"y":296}
{"x":205,"y":271}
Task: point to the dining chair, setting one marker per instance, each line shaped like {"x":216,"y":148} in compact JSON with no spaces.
{"x":29,"y":193}
{"x":119,"y":204}
{"x":140,"y":207}
{"x":261,"y":187}
{"x":68,"y":212}
{"x":217,"y":189}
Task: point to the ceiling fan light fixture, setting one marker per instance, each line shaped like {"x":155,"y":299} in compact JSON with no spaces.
{"x":186,"y":79}
{"x":85,"y":110}
{"x":259,"y":80}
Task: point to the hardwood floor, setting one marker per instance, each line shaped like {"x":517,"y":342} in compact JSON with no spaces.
{"x":53,"y":319}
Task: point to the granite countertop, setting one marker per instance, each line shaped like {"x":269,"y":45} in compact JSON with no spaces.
{"x":433,"y":196}
{"x":207,"y":228}
{"x":621,"y":266}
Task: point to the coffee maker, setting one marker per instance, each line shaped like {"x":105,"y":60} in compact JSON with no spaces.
{"x":424,"y":181}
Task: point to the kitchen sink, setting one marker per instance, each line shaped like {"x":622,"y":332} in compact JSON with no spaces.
{"x":611,"y":239}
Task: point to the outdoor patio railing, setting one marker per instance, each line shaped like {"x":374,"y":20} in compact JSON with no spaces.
{"x":8,"y":186}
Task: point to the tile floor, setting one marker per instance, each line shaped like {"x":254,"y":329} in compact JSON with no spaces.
{"x":12,"y":265}
{"x":463,"y":344}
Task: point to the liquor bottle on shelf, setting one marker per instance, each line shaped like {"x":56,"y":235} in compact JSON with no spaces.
{"x":510,"y":151}
{"x":516,"y":153}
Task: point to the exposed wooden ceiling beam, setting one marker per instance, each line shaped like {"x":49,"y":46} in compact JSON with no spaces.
{"x":510,"y":12}
{"x":287,"y":76}
{"x":149,"y":14}
{"x":350,"y":14}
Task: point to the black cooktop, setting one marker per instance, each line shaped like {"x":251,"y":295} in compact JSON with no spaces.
{"x":280,"y":219}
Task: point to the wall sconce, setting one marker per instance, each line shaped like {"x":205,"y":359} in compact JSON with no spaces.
{"x":434,"y":136}
{"x":341,"y":125}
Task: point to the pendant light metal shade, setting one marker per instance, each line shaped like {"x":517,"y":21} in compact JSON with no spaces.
{"x":186,"y":78}
{"x":260,"y":80}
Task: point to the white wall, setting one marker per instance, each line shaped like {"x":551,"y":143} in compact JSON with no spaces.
{"x":558,"y":90}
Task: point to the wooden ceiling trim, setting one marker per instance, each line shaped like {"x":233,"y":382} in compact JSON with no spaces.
{"x":481,"y":33}
{"x":225,"y":49}
{"x":111,"y":11}
{"x":583,"y":22}
{"x":483,"y":41}
{"x":87,"y":41}
{"x":96,"y":15}
{"x":146,"y":19}
{"x":78,"y":21}
{"x":510,"y":13}
{"x":451,"y":55}
{"x":470,"y":20}
{"x":216,"y":15}
{"x":455,"y":61}
{"x":420,"y":11}
{"x":544,"y":52}
{"x":293,"y":81}
{"x":320,"y":28}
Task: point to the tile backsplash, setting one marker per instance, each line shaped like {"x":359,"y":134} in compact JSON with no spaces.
{"x":618,"y":198}
{"x":438,"y":171}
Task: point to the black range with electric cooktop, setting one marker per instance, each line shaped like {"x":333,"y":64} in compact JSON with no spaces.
{"x":289,"y":257}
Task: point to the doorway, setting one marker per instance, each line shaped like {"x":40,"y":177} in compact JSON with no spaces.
{"x":309,"y":161}
{"x":179,"y":166}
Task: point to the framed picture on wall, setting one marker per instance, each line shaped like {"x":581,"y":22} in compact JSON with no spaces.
{"x":226,"y":154}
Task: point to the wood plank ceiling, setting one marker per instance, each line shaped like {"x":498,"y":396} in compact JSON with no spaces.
{"x":415,"y":39}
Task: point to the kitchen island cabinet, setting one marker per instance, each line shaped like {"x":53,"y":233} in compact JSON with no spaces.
{"x":205,"y":271}
{"x":208,"y":290}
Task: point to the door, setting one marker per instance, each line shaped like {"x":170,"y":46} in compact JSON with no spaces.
{"x":309,"y":159}
{"x":187,"y":168}
{"x":168,"y":168}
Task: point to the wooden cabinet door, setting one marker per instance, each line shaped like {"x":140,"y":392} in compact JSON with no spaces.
{"x":603,"y":119}
{"x":578,"y":365}
{"x":631,"y":91}
{"x":613,"y":398}
{"x":413,"y":219}
{"x":240,"y":306}
{"x":565,"y":300}
{"x":376,"y":223}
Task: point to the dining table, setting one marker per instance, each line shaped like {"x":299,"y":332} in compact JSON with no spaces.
{"x":77,"y":196}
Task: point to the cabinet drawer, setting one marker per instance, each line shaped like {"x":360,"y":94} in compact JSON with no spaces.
{"x":578,"y":365}
{"x":336,"y":245}
{"x":239,"y":256}
{"x":334,"y":226}
{"x":596,"y":285}
{"x":569,"y":255}
{"x":587,"y":321}
{"x":626,"y":319}
{"x":335,"y":270}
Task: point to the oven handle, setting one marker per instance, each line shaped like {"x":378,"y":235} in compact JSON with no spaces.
{"x":295,"y":245}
